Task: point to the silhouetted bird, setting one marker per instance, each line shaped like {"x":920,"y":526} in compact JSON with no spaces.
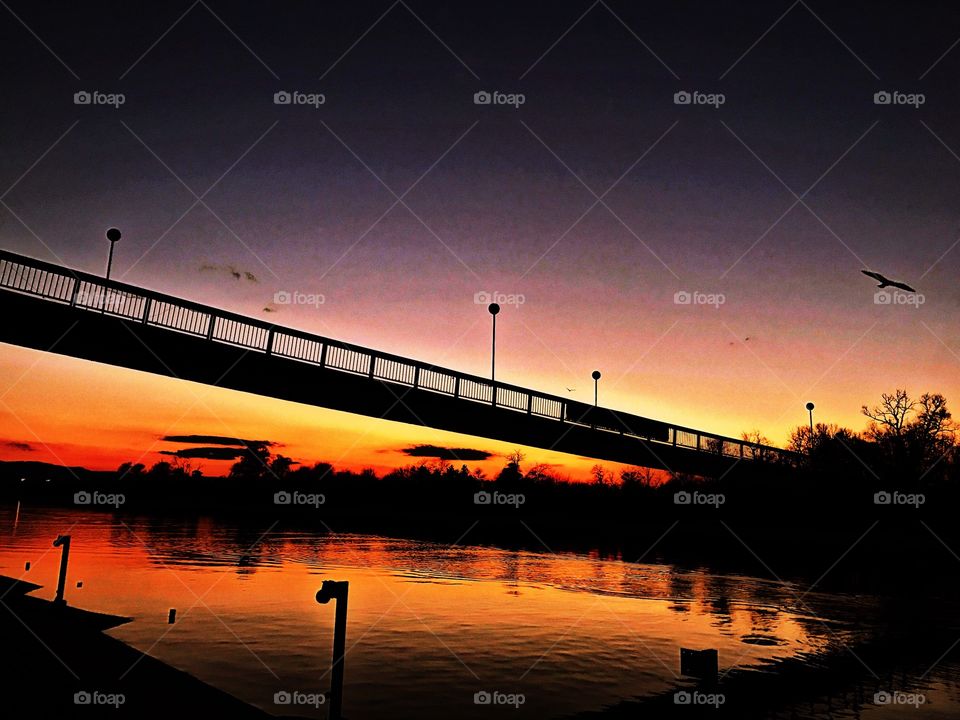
{"x":886,"y":282}
{"x":570,"y":389}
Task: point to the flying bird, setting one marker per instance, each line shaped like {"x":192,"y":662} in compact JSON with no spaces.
{"x":886,"y":282}
{"x":570,"y":389}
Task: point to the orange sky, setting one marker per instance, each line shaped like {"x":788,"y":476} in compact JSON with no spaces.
{"x":81,"y":413}
{"x":693,"y":370}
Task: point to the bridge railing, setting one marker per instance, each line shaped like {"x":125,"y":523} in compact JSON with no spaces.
{"x":92,"y":293}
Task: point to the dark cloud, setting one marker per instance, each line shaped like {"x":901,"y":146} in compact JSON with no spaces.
{"x":446,"y":453}
{"x":17,"y":445}
{"x":230,"y":270}
{"x":217,"y":440}
{"x":207,"y":453}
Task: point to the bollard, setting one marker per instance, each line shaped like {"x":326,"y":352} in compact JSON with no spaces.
{"x":172,"y":616}
{"x":703,"y":664}
{"x":336,"y":590}
{"x":64,"y":541}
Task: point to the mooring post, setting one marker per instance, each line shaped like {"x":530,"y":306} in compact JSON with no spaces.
{"x":336,"y":590}
{"x":64,"y":541}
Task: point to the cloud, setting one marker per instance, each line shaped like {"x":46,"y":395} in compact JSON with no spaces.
{"x":207,"y":453}
{"x":230,"y":270}
{"x":18,"y":445}
{"x":217,"y":440}
{"x":443,"y":453}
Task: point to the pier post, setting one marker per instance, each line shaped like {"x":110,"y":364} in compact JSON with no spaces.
{"x":62,"y":541}
{"x":336,"y":590}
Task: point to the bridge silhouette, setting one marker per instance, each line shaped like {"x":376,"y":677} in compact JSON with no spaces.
{"x":56,"y":309}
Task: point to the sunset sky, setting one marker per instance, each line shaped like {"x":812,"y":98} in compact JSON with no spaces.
{"x":208,"y":178}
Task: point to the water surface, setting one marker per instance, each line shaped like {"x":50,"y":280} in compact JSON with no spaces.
{"x":429,"y":624}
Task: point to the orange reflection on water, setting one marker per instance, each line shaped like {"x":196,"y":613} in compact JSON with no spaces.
{"x":428,"y":624}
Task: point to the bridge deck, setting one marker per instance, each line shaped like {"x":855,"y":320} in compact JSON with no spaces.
{"x":53,"y":308}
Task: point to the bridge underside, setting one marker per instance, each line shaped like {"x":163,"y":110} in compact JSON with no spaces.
{"x":90,"y":335}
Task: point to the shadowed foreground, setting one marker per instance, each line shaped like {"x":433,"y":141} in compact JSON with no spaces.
{"x":67,"y":667}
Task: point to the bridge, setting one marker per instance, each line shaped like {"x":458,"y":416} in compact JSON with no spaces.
{"x":53,"y":308}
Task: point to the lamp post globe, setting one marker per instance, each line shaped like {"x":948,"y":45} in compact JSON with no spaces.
{"x":113,"y":235}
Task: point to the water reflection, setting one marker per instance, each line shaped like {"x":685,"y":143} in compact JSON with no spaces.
{"x":430,"y":625}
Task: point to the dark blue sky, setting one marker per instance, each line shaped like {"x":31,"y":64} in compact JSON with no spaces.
{"x":701,"y":200}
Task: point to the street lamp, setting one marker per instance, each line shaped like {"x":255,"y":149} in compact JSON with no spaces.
{"x":596,"y":379}
{"x":810,"y":407}
{"x":113,"y":235}
{"x":494,"y":309}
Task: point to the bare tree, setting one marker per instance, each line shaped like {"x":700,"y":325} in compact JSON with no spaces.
{"x":890,"y":416}
{"x":600,"y":475}
{"x":758,"y":445}
{"x":515,"y":458}
{"x":638,"y":476}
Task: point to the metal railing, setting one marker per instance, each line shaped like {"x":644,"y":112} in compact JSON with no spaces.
{"x":89,"y":292}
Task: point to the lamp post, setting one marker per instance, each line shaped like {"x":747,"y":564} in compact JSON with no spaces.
{"x":113,"y":235}
{"x":494,"y":309}
{"x":810,"y":407}
{"x":596,"y":380}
